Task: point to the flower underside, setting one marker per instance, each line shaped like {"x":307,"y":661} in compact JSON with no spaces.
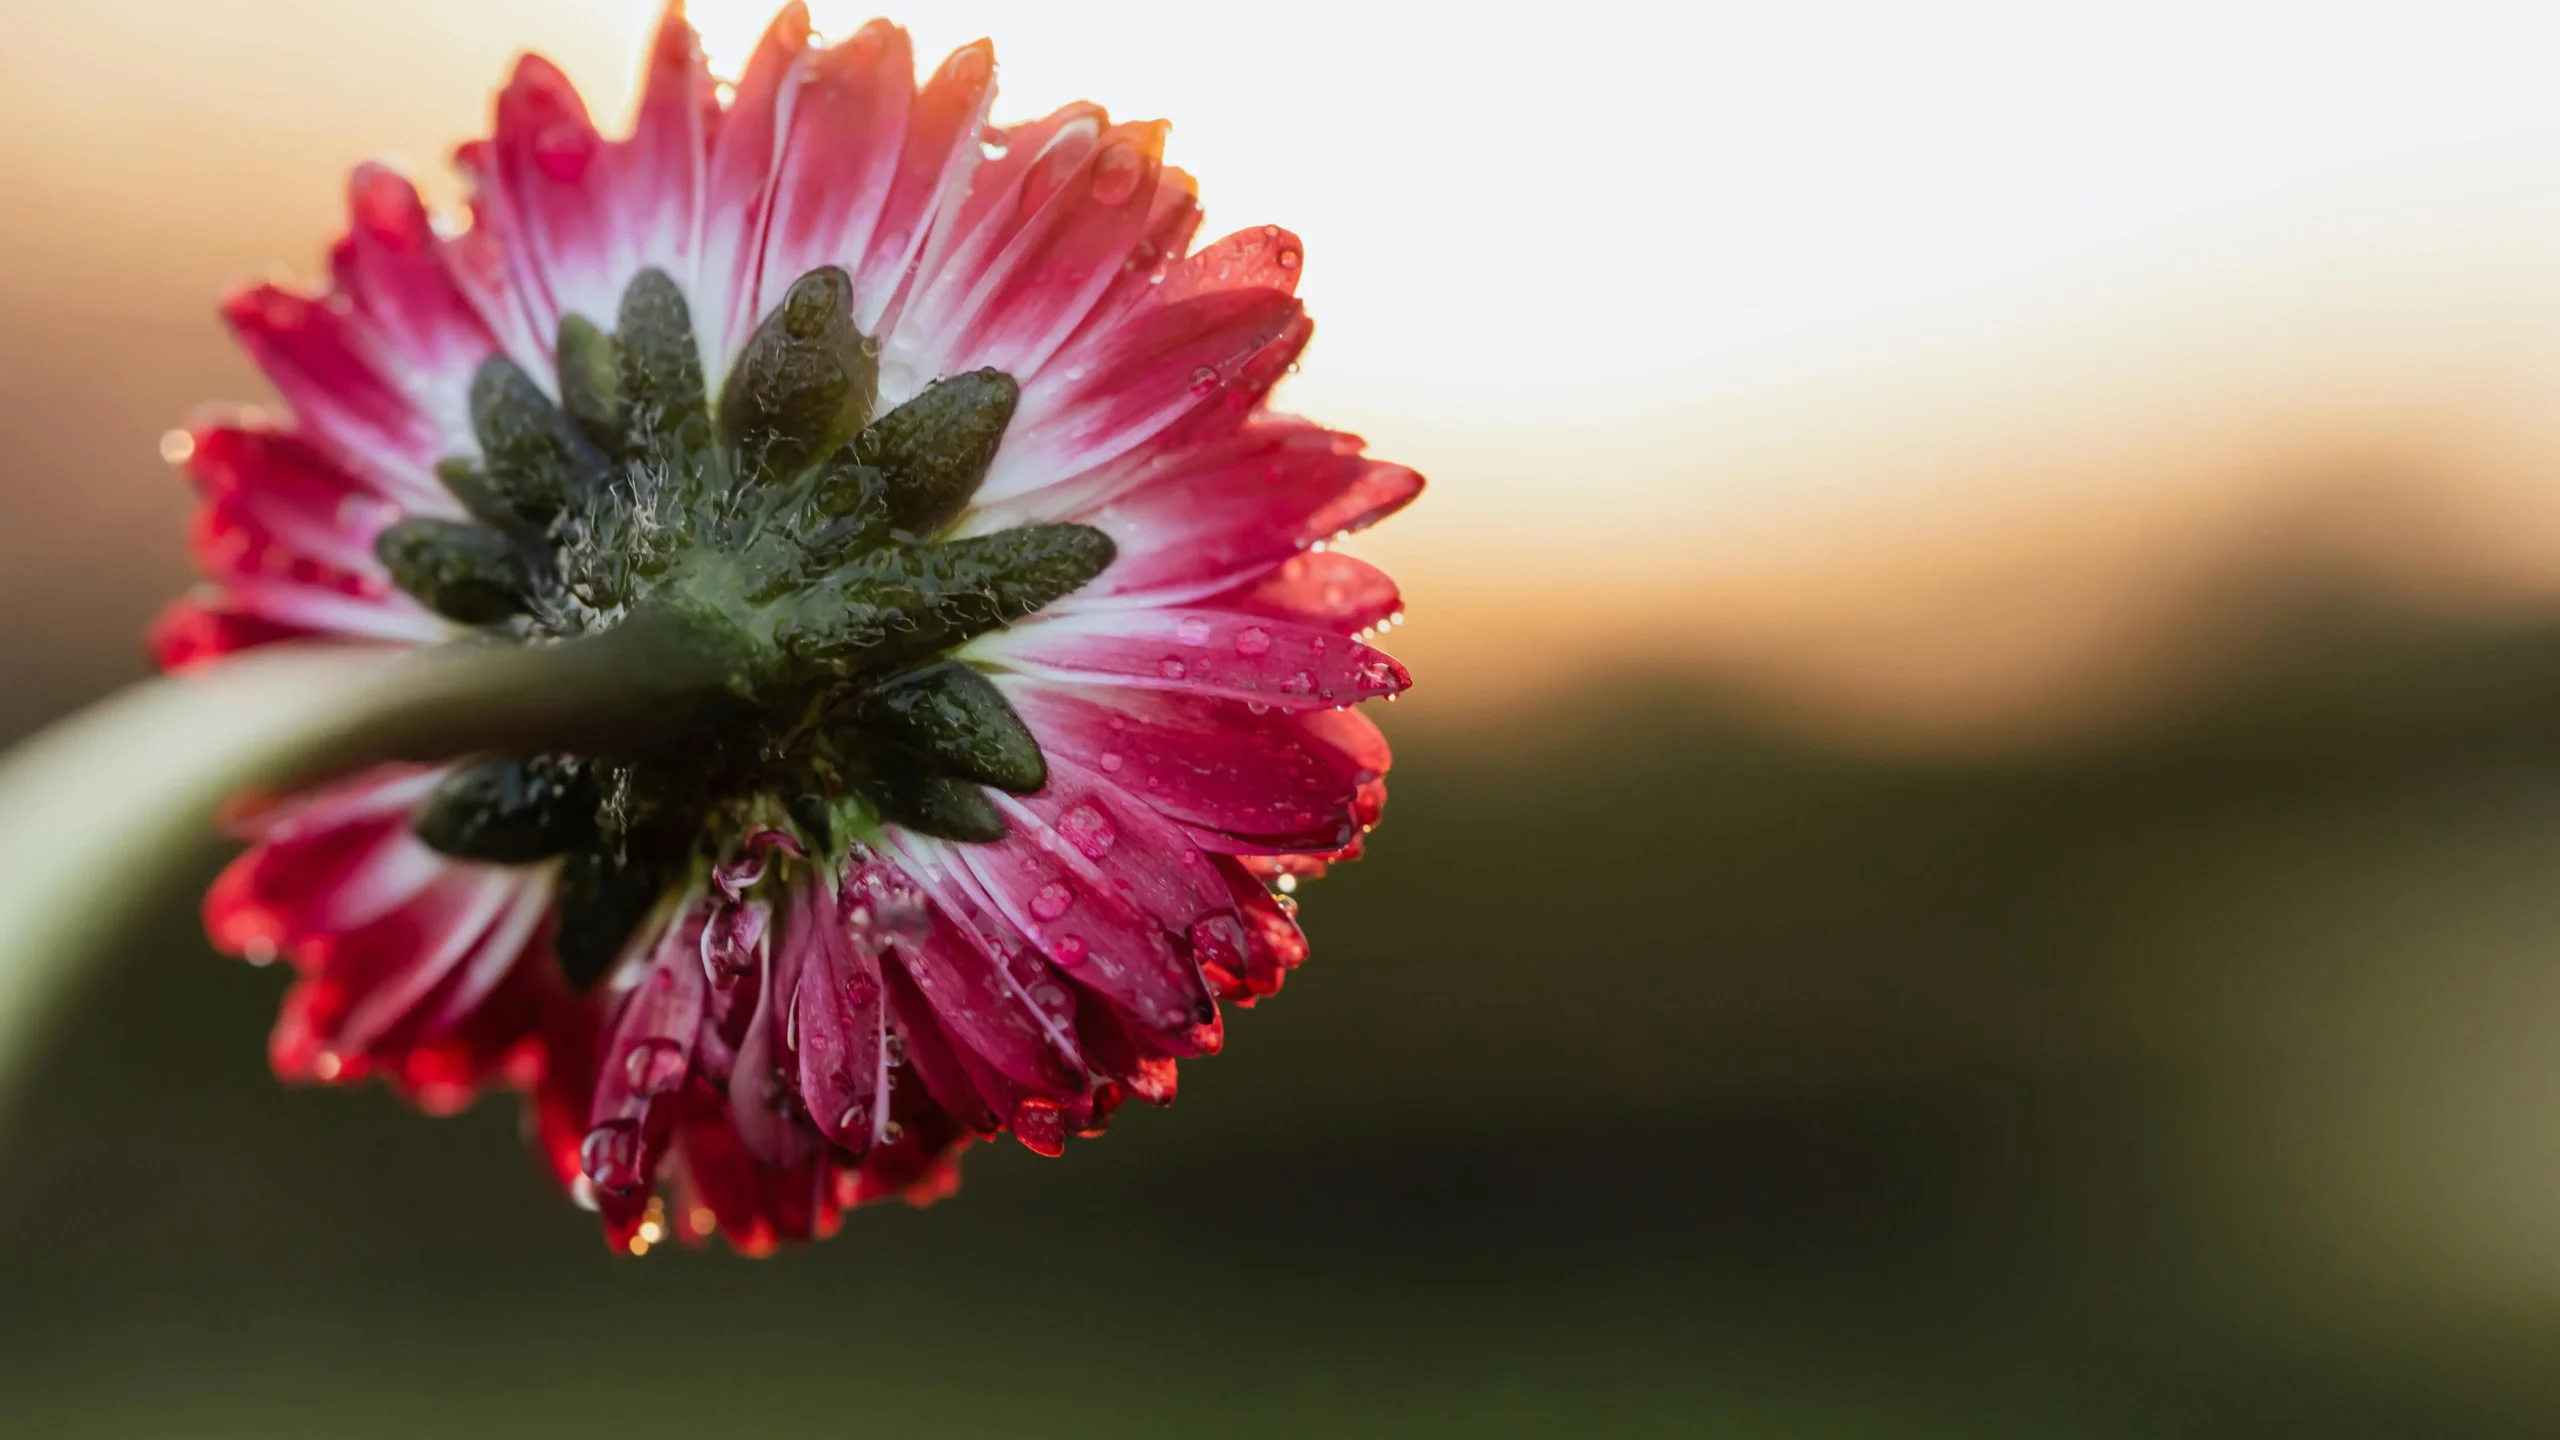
{"x":802,"y":536}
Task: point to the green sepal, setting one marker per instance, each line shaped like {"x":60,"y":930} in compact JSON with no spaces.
{"x":942,"y":806}
{"x":471,"y":485}
{"x":538,"y":461}
{"x":957,"y":718}
{"x":900,"y":604}
{"x":804,"y":383}
{"x":460,"y":570}
{"x":606,"y":890}
{"x":666,"y":414}
{"x":936,"y":448}
{"x":590,"y":367}
{"x":509,"y":811}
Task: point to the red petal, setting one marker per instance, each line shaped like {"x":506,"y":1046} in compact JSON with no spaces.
{"x":645,"y":1060}
{"x":1048,"y":248}
{"x":1205,"y":652}
{"x":831,"y":201}
{"x":1210,"y":763}
{"x":738,"y":188}
{"x":1220,"y":515}
{"x":1089,"y":928}
{"x":841,"y":1021}
{"x":1326,"y":589}
{"x":1164,"y":371}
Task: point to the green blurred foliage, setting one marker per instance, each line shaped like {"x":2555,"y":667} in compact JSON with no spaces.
{"x":1659,"y":1074}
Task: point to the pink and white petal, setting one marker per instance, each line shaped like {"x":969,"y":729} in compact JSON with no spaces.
{"x":760,"y":1104}
{"x":485,"y":898}
{"x":1322,"y":588}
{"x":511,"y":944}
{"x":939,"y":160}
{"x":329,"y":613}
{"x":1173,"y":218}
{"x":351,"y":401}
{"x":358,"y":981}
{"x":547,"y":194}
{"x":1053,"y":893}
{"x":1211,"y":764}
{"x":1183,"y":365}
{"x":293,"y":491}
{"x":200,"y":630}
{"x":1145,"y":859}
{"x":840,"y":165}
{"x":966,"y":963}
{"x":1169,"y":368}
{"x":659,"y":170}
{"x":1201,"y":651}
{"x":746,"y":154}
{"x":645,"y":1059}
{"x":400,"y":276}
{"x":839,"y":1022}
{"x":1033,"y":269}
{"x":970,"y":230}
{"x":333,"y":860}
{"x":933,"y":1055}
{"x":1229,"y":512}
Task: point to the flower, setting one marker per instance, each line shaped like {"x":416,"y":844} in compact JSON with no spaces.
{"x":1034,"y":667}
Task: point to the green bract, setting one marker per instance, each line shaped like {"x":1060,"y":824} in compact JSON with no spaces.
{"x":801,"y":534}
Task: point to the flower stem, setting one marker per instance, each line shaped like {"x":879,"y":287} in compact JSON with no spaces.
{"x":103,"y":811}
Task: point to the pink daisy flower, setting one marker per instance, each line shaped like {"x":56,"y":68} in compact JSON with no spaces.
{"x":1035,"y":669}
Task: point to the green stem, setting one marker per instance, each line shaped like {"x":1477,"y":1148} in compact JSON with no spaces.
{"x":109,"y":807}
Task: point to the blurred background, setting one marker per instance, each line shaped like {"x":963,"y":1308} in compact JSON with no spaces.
{"x":1977,"y":848}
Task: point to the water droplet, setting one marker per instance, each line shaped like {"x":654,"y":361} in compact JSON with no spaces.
{"x":1288,"y":259}
{"x":1192,"y":631}
{"x":327,"y":1065}
{"x":894,"y":1046}
{"x":1204,"y":380}
{"x":1253,"y":640}
{"x":1298,"y":684}
{"x":1111,"y":762}
{"x":177,"y":447}
{"x":1051,"y":996}
{"x":1287,"y":883}
{"x":1116,"y":175}
{"x":611,"y":1155}
{"x":1172,"y":668}
{"x":1070,"y":950}
{"x":893,"y":1132}
{"x":654,"y":1067}
{"x":1051,"y":901}
{"x":1218,"y":941}
{"x":1089,"y":830}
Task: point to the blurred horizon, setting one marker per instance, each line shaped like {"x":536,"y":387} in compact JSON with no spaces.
{"x":1712,"y":422}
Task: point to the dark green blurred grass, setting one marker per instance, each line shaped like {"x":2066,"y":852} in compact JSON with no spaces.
{"x":1660,"y":1074}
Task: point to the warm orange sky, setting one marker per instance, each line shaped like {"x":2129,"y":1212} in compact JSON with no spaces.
{"x":1891,"y":357}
